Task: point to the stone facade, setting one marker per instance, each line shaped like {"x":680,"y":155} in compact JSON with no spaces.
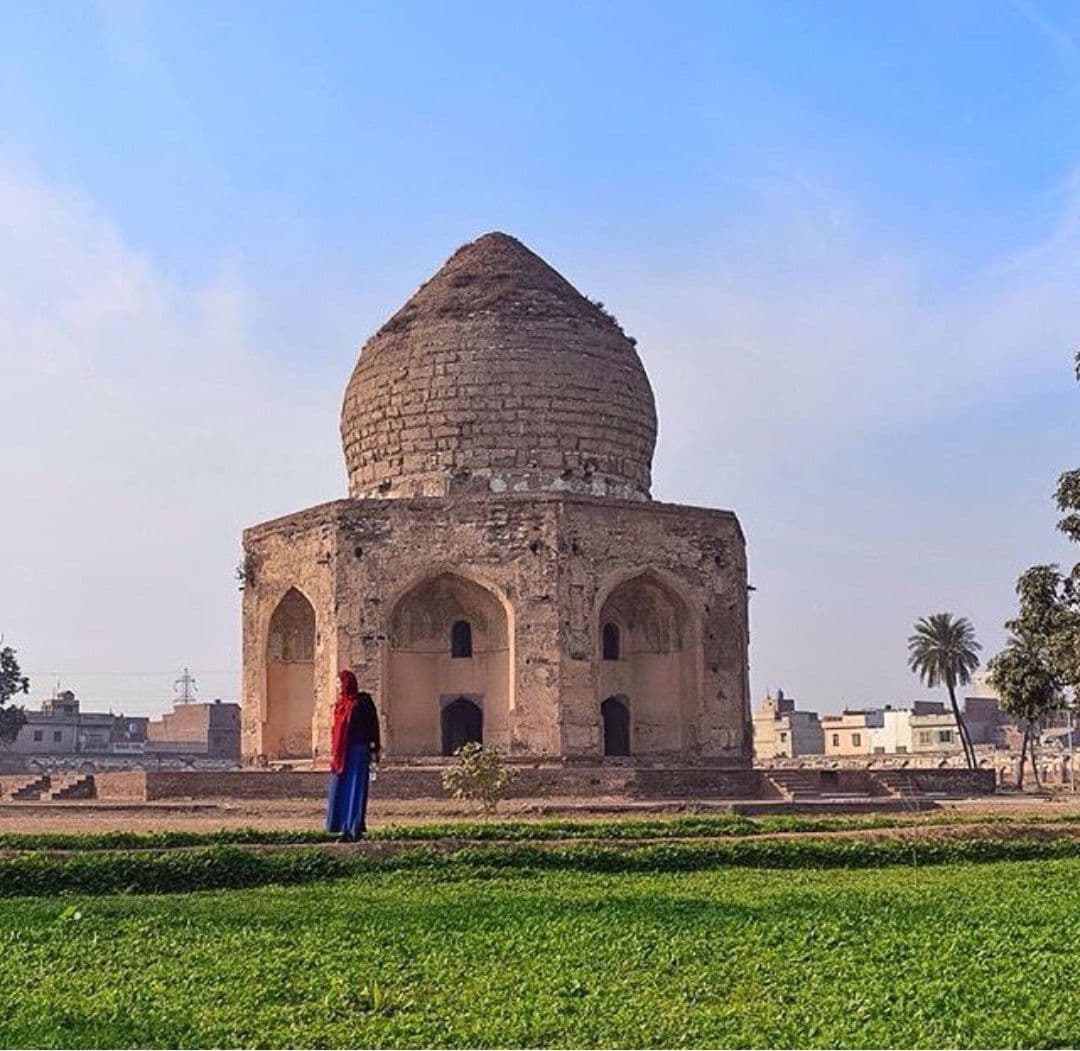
{"x":500,"y":570}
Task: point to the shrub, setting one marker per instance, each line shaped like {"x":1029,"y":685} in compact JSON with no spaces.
{"x":480,"y":776}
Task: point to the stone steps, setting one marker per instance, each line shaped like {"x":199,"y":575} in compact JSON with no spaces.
{"x":72,"y":786}
{"x":31,"y":790}
{"x":792,"y":784}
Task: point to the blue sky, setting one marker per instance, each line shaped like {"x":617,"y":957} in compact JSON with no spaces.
{"x":846,"y":236}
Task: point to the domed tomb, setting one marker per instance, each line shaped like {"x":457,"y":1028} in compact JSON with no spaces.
{"x":534,"y":598}
{"x":498,"y":376}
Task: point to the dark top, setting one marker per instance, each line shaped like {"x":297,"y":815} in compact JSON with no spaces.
{"x":364,"y":725}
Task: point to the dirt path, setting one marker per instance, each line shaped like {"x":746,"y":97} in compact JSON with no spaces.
{"x":307,"y":815}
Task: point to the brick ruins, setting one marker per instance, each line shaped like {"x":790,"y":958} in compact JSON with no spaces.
{"x":499,"y":570}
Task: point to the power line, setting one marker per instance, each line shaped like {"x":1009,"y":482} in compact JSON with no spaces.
{"x":129,"y":674}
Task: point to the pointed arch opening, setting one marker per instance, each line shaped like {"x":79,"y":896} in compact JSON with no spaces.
{"x":290,"y":679}
{"x":615,"y":715}
{"x":462,"y":722}
{"x":426,"y":677}
{"x":461,"y":640}
{"x":656,"y":671}
{"x":610,"y":642}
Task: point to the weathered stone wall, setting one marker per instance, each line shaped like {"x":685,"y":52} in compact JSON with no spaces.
{"x":294,"y":552}
{"x":549,"y":563}
{"x":391,"y":547}
{"x":426,"y":783}
{"x":697,"y":553}
{"x":499,"y":376}
{"x":635,"y":781}
{"x":121,"y":786}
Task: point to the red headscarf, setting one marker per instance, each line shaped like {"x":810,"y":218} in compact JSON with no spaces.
{"x":348,"y":697}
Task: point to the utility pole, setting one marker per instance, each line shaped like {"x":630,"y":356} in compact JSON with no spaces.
{"x":186,"y":687}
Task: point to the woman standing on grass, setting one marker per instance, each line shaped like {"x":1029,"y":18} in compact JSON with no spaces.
{"x":354,"y":743}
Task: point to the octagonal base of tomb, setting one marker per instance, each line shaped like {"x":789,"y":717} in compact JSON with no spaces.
{"x":554,"y":627}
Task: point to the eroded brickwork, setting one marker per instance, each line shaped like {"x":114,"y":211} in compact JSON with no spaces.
{"x":551,"y":563}
{"x":498,"y":375}
{"x":498,"y":433}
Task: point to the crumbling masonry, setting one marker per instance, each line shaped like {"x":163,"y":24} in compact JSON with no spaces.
{"x":499,"y":570}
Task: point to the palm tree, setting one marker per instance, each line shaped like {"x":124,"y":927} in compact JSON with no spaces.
{"x":943,"y":651}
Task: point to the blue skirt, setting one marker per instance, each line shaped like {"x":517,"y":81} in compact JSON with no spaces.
{"x":347,"y":805}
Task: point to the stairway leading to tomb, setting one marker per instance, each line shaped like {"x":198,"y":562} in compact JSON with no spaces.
{"x":31,"y":789}
{"x":72,"y":786}
{"x":794,"y":784}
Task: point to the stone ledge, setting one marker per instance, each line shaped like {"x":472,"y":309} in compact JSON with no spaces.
{"x":333,"y":512}
{"x":412,"y":782}
{"x":538,"y":782}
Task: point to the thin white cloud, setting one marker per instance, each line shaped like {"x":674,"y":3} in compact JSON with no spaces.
{"x":1060,"y":38}
{"x":141,"y":423}
{"x":805,"y":322}
{"x":146,"y":424}
{"x":809,"y":377}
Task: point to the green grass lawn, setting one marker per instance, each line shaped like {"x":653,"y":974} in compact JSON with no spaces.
{"x":983,"y":955}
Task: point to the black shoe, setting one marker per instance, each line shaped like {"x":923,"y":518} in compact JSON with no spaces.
{"x":345,"y":837}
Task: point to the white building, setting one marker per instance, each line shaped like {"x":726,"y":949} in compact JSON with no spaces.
{"x":893,"y":736}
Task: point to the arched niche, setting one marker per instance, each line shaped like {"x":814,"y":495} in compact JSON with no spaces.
{"x":461,"y":640}
{"x":290,"y":679}
{"x":430,"y":667}
{"x":610,"y":641}
{"x":655,"y":672}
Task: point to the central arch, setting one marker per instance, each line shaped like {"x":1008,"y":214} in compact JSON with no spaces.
{"x":449,"y":641}
{"x":648,"y":644}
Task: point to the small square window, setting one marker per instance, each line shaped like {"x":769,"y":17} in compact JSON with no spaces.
{"x":57,"y":735}
{"x":836,"y":740}
{"x":856,"y":740}
{"x":38,"y":735}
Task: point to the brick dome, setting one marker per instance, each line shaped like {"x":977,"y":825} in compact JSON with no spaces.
{"x":498,"y":375}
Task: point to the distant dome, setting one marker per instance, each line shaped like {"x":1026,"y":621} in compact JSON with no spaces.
{"x":498,"y":375}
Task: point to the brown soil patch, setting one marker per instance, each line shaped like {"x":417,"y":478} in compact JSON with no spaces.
{"x":211,"y":815}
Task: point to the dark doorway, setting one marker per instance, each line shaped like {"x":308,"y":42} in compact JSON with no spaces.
{"x":461,"y":639}
{"x":462,"y":722}
{"x":616,"y":716}
{"x":609,"y":644}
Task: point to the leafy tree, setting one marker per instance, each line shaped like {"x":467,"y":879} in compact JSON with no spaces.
{"x":480,"y":776}
{"x":1028,"y":690}
{"x":1040,"y":664}
{"x":944,"y":652}
{"x":1067,"y":496}
{"x":12,"y":682}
